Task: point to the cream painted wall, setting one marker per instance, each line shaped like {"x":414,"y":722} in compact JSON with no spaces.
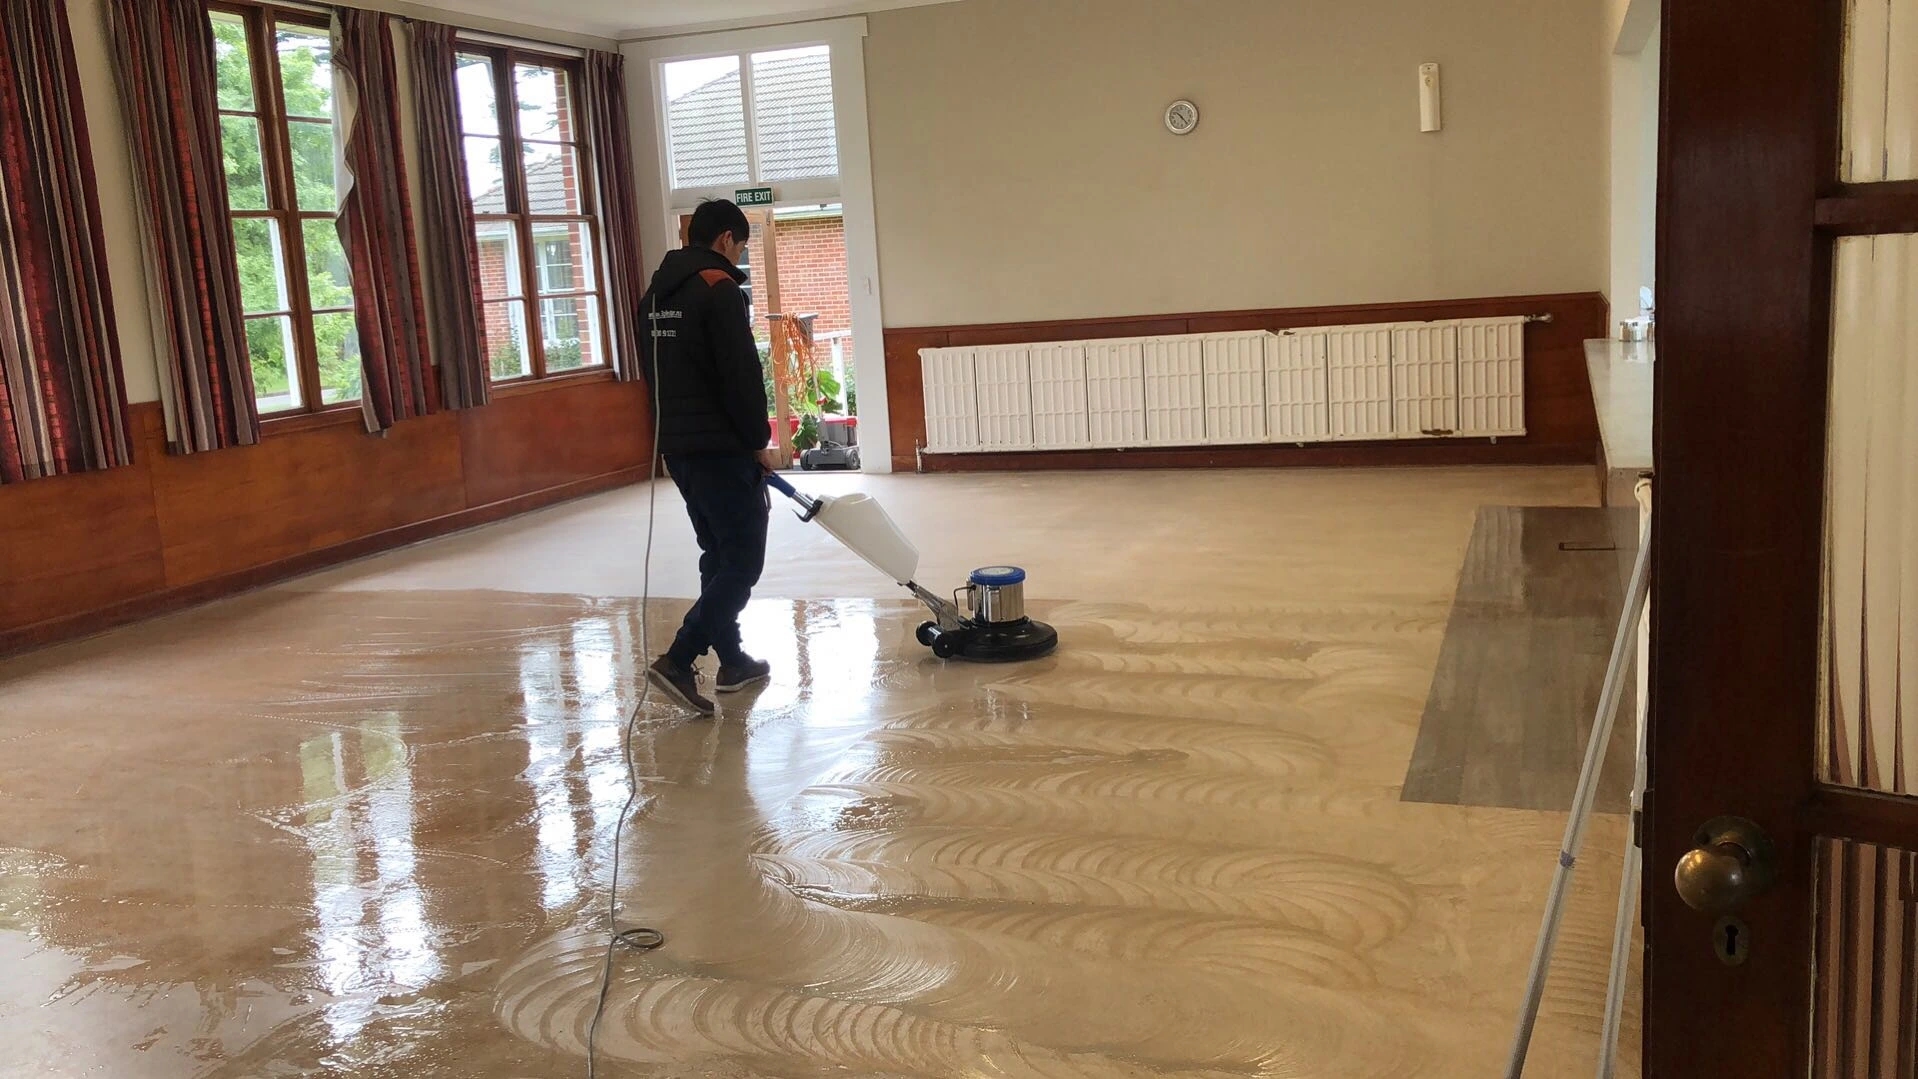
{"x":1022,"y":170}
{"x":119,"y":215}
{"x":113,"y":170}
{"x":1634,"y":176}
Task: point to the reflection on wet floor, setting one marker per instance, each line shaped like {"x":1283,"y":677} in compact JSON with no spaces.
{"x":366,"y":834}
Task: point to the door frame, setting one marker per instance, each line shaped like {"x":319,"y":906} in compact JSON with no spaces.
{"x":853,"y":190}
{"x":1749,"y":207}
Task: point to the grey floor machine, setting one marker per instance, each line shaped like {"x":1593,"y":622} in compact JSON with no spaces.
{"x":992,"y":628}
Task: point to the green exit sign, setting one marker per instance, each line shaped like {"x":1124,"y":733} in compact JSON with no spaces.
{"x":753,"y":196}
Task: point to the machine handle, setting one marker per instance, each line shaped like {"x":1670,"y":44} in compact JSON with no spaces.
{"x":778,"y":483}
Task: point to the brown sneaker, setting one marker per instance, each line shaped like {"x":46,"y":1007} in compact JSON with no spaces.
{"x":745,"y":674}
{"x":679,"y":683}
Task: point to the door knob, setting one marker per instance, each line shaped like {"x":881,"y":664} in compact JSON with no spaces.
{"x":1733,"y":863}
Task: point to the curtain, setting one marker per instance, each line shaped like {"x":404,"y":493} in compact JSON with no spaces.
{"x":453,"y":308}
{"x":604,"y":87}
{"x":62,"y":402}
{"x":376,"y":224}
{"x":163,"y":59}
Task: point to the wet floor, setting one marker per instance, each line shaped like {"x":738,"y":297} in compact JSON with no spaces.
{"x":367,"y":834}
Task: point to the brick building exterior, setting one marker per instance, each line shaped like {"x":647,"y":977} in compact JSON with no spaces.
{"x":812,"y":281}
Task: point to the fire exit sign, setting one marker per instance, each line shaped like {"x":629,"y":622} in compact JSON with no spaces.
{"x":753,"y":196}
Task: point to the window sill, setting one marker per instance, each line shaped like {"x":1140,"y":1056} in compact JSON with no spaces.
{"x":294,"y":423}
{"x":521,"y":388}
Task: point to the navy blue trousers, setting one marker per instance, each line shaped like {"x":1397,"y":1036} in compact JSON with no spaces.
{"x":727,"y":501}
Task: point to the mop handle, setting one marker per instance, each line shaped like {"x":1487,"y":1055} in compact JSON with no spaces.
{"x":778,"y":483}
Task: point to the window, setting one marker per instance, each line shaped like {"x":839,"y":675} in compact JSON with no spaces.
{"x":751,"y":118}
{"x":275,"y":76}
{"x":533,"y":212}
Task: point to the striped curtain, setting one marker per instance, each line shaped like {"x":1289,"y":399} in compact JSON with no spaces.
{"x":163,"y":59}
{"x":604,"y":87}
{"x":453,"y":295}
{"x":376,"y":225}
{"x":62,"y":403}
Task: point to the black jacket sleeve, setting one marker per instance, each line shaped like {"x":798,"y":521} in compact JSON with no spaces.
{"x":740,"y":379}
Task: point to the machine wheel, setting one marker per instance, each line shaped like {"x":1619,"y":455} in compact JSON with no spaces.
{"x":944,"y":646}
{"x":805,"y":462}
{"x":926,"y":633}
{"x":852,"y":459}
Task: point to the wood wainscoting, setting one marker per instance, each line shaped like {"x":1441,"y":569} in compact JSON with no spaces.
{"x":82,"y":553}
{"x":1561,"y":422}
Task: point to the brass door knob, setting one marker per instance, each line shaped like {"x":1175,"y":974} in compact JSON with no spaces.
{"x":1733,"y":863}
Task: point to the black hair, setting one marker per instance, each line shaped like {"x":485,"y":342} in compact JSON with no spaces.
{"x":715,"y":217}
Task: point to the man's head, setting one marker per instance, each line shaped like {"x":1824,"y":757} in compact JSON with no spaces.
{"x":722,"y":227}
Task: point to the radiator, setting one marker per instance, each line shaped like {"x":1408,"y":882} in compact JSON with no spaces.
{"x":1450,"y":379}
{"x":1174,"y":392}
{"x":1235,"y":387}
{"x":1002,"y":381}
{"x":1061,"y":414}
{"x":1115,"y":393}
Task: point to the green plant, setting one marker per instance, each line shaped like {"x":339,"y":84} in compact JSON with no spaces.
{"x":808,"y":435}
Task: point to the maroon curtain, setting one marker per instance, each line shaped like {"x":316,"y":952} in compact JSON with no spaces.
{"x":62,"y":404}
{"x":605,"y":89}
{"x":163,"y":58}
{"x":376,"y":227}
{"x":453,"y":307}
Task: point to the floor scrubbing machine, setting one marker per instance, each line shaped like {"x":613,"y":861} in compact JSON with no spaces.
{"x":991,"y":628}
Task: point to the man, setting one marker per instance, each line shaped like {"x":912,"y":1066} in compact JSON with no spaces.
{"x":702,"y":365}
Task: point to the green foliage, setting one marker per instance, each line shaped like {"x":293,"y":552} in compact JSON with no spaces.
{"x":507,"y":362}
{"x":808,"y":435}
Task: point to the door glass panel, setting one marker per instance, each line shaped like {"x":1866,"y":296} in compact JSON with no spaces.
{"x":1869,"y":623}
{"x":1879,"y":127}
{"x":793,"y":114}
{"x":1866,"y":973}
{"x":706,"y":122}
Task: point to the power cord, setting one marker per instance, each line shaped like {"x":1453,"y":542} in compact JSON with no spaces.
{"x":644,"y":940}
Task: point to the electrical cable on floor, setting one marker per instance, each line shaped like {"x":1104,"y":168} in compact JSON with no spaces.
{"x":644,"y":940}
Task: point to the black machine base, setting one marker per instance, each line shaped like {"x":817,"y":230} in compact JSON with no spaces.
{"x":990,"y":642}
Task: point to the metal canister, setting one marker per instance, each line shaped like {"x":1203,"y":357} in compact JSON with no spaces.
{"x":997,"y":594}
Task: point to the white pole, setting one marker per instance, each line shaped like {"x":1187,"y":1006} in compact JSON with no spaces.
{"x":1582,"y":804}
{"x":1634,"y":842}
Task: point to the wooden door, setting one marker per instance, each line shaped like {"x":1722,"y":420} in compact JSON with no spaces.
{"x":1785,"y":595}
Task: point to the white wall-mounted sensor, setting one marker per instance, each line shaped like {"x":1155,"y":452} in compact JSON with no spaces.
{"x":1429,"y":112}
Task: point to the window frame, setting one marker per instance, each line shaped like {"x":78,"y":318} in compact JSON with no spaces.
{"x":262,"y":22}
{"x":504,"y":58}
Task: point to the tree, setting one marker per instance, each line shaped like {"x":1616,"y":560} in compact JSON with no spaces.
{"x":306,"y":78}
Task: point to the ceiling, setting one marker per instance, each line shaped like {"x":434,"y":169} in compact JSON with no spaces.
{"x":631,"y":19}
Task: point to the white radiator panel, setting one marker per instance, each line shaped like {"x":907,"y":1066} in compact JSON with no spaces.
{"x":1115,"y":393}
{"x":1004,"y":381}
{"x":1059,"y":413}
{"x":1295,"y":388}
{"x":952,"y":403}
{"x":1174,"y":391}
{"x":1491,"y":376}
{"x":1425,"y":380}
{"x":1359,"y":382}
{"x":1235,"y":387}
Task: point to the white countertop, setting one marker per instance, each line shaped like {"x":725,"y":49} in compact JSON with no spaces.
{"x":1622,"y":389}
